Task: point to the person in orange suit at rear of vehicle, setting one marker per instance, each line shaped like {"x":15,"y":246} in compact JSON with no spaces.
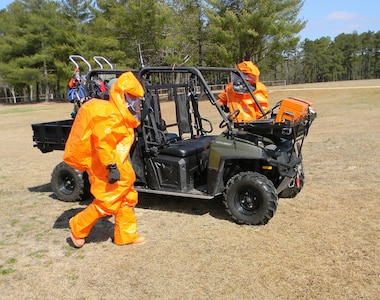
{"x":99,"y":143}
{"x":237,"y":97}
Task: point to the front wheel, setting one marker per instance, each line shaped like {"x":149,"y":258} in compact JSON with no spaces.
{"x":68,"y":184}
{"x":250,"y":198}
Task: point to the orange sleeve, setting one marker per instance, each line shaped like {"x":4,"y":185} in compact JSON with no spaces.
{"x":261,"y":94}
{"x":223,"y":97}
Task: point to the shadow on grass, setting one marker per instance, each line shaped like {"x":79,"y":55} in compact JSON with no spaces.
{"x":183,"y":205}
{"x":190,"y":206}
{"x":103,"y":229}
{"x":43,"y":188}
{"x":101,"y":232}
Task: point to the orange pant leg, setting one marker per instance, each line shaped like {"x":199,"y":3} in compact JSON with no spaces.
{"x":82,"y":223}
{"x":125,"y":220}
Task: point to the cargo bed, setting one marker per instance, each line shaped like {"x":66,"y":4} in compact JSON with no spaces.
{"x":51,"y":136}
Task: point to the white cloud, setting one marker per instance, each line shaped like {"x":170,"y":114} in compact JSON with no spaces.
{"x":342,"y":15}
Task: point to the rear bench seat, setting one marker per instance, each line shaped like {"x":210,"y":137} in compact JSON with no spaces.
{"x":190,"y":147}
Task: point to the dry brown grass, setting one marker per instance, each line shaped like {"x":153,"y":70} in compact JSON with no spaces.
{"x":324,"y":244}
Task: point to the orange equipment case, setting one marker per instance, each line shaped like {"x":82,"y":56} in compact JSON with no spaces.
{"x":292,"y":109}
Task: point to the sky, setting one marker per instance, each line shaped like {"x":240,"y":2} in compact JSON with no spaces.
{"x":333,"y":17}
{"x":329,"y":17}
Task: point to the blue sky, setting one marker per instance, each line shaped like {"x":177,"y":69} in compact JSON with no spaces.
{"x":333,"y":17}
{"x":329,"y":17}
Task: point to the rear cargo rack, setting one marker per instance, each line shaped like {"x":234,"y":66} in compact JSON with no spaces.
{"x":51,"y":136}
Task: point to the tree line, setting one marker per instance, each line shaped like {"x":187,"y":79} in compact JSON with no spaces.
{"x":37,"y":37}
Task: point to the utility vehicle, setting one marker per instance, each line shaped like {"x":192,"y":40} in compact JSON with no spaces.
{"x":181,"y":152}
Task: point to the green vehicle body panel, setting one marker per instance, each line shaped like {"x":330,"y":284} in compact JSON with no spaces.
{"x":222,"y":149}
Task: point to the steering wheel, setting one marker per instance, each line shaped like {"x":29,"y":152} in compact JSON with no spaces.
{"x":263,"y":116}
{"x":230,"y":117}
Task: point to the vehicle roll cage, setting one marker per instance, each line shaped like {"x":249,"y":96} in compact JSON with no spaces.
{"x":197,"y":74}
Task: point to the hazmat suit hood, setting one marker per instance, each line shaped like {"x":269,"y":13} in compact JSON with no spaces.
{"x":247,"y":67}
{"x":127,"y":83}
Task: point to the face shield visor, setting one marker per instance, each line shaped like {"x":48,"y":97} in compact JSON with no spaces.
{"x":133,"y":105}
{"x":238,"y":84}
{"x":251,"y":78}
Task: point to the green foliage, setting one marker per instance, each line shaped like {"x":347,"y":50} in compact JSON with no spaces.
{"x":347,"y":57}
{"x":37,"y":37}
{"x":254,"y":30}
{"x":31,"y":35}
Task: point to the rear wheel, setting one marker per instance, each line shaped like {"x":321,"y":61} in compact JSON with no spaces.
{"x":68,"y":184}
{"x":250,"y":198}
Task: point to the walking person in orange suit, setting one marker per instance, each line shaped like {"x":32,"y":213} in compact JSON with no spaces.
{"x":99,"y":143}
{"x":237,"y":97}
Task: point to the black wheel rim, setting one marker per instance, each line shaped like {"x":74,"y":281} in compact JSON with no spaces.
{"x":66,"y":183}
{"x":247,"y":202}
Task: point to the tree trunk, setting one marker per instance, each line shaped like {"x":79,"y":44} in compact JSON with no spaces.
{"x":47,"y":90}
{"x":13,"y":94}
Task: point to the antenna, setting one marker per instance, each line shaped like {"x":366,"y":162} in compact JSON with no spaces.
{"x":141,"y":58}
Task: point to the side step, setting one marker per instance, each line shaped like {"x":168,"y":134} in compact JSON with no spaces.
{"x":193,"y":194}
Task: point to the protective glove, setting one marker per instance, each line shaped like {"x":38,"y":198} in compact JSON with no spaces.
{"x":114,"y":173}
{"x":225,"y":109}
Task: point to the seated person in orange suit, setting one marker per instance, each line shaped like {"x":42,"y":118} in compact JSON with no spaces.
{"x":236,"y":95}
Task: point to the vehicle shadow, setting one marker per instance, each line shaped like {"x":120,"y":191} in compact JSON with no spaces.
{"x":184,"y":205}
{"x":46,"y":188}
{"x":103,"y":229}
{"x":43,"y":188}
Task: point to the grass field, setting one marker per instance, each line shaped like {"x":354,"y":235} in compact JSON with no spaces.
{"x":323,"y":244}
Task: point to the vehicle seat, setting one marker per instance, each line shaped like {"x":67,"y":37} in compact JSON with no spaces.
{"x":184,"y":148}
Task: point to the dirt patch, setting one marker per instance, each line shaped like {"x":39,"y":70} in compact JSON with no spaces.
{"x":324,"y":244}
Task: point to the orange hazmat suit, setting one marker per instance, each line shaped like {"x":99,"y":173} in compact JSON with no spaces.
{"x":243,"y":101}
{"x":102,"y":134}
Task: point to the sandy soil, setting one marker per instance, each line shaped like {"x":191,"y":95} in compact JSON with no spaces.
{"x":323,"y":244}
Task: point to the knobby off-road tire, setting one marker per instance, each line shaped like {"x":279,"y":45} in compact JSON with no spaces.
{"x":250,"y":198}
{"x":68,"y":184}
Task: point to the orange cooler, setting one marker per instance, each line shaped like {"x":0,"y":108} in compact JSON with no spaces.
{"x":292,"y":109}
